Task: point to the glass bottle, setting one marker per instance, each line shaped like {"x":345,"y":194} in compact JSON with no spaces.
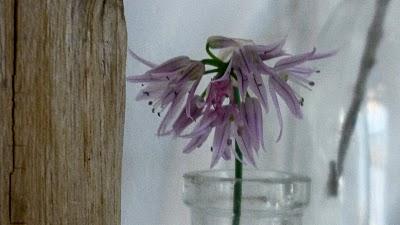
{"x":268,"y":197}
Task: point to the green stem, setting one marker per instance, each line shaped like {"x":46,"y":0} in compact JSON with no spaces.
{"x":237,"y":189}
{"x":212,"y":71}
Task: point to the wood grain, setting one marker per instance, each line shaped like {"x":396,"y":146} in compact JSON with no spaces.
{"x":6,"y":105}
{"x":67,"y":112}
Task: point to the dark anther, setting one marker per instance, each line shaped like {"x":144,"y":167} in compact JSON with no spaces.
{"x":301,"y":101}
{"x":229,"y":142}
{"x":146,"y":93}
{"x":176,"y":93}
{"x":318,"y":71}
{"x":159,"y":114}
{"x":212,"y":149}
{"x":167,"y":77}
{"x":142,"y":85}
{"x":259,"y":85}
{"x":311,"y":83}
{"x":153,"y":110}
{"x":150,"y":103}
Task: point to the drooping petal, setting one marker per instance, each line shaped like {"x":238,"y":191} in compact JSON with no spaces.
{"x":172,"y":65}
{"x":274,"y":98}
{"x":243,"y":139}
{"x":301,"y":71}
{"x":197,"y":141}
{"x":323,"y":55}
{"x":221,"y":136}
{"x":257,"y":85}
{"x":140,"y":78}
{"x":227,"y":154}
{"x":140,"y":59}
{"x":243,"y":83}
{"x":189,"y":101}
{"x":259,"y":122}
{"x":148,"y":94}
{"x":288,"y":95}
{"x":225,"y":42}
{"x":249,"y":116}
{"x":193,"y":71}
{"x":183,"y":120}
{"x":202,"y":125}
{"x":172,"y":111}
{"x":294,"y":60}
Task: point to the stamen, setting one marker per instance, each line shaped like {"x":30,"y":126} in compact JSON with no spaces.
{"x":212,"y":149}
{"x":159,"y":114}
{"x":176,"y":93}
{"x":301,"y":101}
{"x":146,"y":93}
{"x":153,"y":110}
{"x":142,"y":85}
{"x":167,"y":77}
{"x":318,"y":71}
{"x":150,"y":103}
{"x":311,"y":83}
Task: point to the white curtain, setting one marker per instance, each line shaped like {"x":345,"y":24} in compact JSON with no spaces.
{"x":159,"y":29}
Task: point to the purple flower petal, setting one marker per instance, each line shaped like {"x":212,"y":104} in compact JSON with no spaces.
{"x":293,"y":60}
{"x":189,"y":101}
{"x":197,"y":141}
{"x":221,"y":42}
{"x":173,"y":109}
{"x":259,"y":122}
{"x":257,"y":85}
{"x":248,"y":116}
{"x":323,"y":55}
{"x":202,"y":126}
{"x":227,"y":154}
{"x":288,"y":95}
{"x":244,"y":141}
{"x":221,"y":136}
{"x":140,"y":59}
{"x":183,"y":121}
{"x":277,"y":108}
{"x":172,"y":65}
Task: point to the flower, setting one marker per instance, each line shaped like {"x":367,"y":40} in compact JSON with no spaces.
{"x":168,"y":85}
{"x":290,"y":68}
{"x":247,"y":64}
{"x":220,"y":120}
{"x":232,"y":105}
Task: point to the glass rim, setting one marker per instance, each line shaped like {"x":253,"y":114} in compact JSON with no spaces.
{"x":280,"y":177}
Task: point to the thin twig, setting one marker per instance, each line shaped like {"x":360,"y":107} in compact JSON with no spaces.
{"x":374,"y":37}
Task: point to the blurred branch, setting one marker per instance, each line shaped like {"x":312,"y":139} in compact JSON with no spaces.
{"x":374,"y":37}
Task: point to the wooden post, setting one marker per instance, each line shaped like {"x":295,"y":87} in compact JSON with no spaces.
{"x":62,"y":93}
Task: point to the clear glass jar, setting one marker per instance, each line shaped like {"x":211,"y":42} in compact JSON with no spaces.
{"x":268,"y":197}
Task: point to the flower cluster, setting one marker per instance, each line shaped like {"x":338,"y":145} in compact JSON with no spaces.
{"x":232,"y":105}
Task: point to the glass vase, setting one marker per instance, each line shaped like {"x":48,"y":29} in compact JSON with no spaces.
{"x":268,"y":197}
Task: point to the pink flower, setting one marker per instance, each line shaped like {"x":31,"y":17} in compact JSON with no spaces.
{"x":247,"y":63}
{"x":290,"y":68}
{"x":231,"y":106}
{"x":168,"y":85}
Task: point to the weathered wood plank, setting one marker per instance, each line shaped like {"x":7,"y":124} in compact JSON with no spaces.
{"x":68,"y":92}
{"x":6,"y":104}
